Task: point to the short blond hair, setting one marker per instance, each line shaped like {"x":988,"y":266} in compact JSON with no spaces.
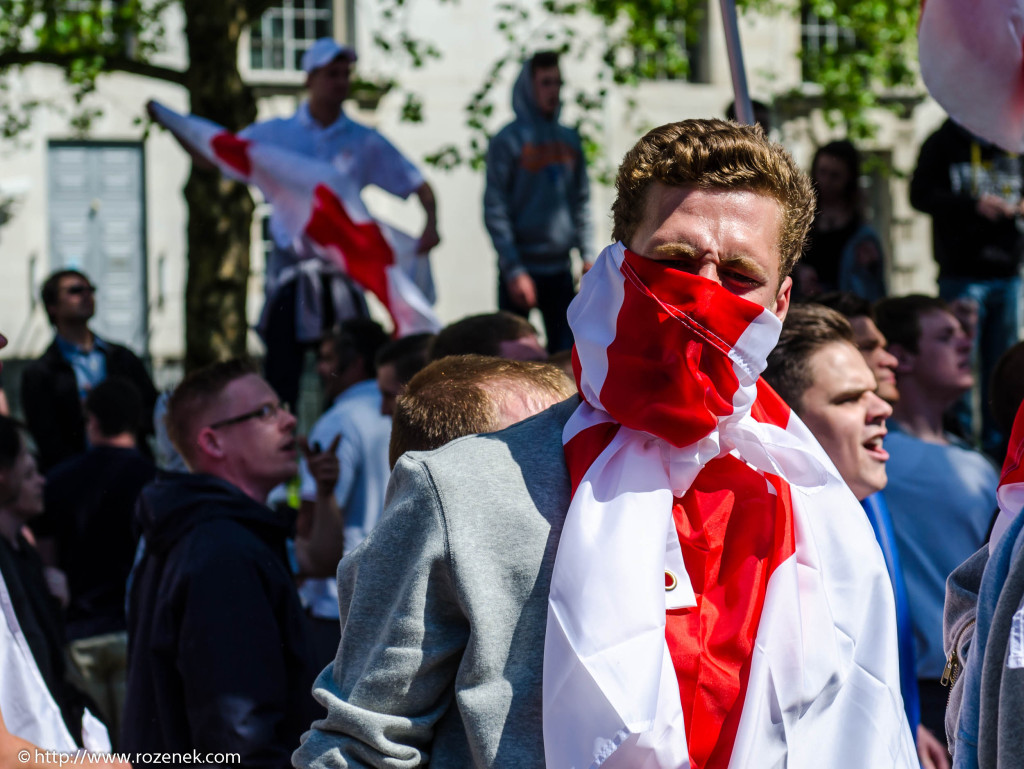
{"x":198,"y":391}
{"x":715,"y":155}
{"x":465,"y":394}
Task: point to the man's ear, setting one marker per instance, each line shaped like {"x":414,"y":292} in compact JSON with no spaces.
{"x":782,"y":299}
{"x":209,"y":444}
{"x":904,"y":358}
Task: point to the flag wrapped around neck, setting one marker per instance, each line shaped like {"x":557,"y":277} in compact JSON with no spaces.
{"x":318,"y":207}
{"x":972,"y":61}
{"x":668,"y":366}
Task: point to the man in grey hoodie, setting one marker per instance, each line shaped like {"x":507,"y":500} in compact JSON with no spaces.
{"x":537,"y":201}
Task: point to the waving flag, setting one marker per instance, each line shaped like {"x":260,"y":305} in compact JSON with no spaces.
{"x":318,"y":207}
{"x":972,"y":60}
{"x":796,"y":664}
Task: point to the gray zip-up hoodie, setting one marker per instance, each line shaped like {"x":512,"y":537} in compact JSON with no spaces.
{"x":537,"y":198}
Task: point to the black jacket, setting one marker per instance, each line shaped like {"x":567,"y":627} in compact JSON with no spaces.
{"x":966,"y":244}
{"x":89,"y":513}
{"x":219,"y":655}
{"x":53,"y":410}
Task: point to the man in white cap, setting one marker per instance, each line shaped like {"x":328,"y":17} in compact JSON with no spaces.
{"x":305,"y":297}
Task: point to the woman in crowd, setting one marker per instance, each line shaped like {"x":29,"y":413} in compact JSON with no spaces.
{"x":844,"y":252}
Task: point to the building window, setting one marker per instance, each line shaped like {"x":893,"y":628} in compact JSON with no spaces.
{"x":680,"y":53}
{"x":820,"y":38}
{"x":284,"y":32}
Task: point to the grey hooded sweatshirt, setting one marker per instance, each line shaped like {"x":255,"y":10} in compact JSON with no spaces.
{"x":537,"y":199}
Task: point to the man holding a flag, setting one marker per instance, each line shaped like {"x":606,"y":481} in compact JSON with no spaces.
{"x":306,"y":296}
{"x":666,"y":571}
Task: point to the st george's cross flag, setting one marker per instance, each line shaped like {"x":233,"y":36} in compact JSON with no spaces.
{"x":318,"y":207}
{"x":718,"y":598}
{"x":972,"y":61}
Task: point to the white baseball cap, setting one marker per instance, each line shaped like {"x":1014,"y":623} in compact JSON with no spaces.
{"x":323,"y":52}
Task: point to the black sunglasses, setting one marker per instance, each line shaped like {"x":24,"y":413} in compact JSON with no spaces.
{"x":76,"y":290}
{"x":265,"y":413}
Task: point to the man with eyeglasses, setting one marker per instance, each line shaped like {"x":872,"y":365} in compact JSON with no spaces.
{"x":537,"y":202}
{"x":54,"y":386}
{"x":219,"y":654}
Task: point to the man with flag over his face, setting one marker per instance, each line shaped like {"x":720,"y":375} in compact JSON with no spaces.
{"x":666,"y":571}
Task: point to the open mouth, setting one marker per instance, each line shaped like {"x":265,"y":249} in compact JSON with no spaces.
{"x":289,"y":447}
{"x":875,"y":450}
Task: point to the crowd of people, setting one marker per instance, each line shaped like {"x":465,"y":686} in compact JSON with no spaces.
{"x":706,"y":520}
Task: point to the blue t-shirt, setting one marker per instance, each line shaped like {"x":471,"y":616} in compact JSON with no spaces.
{"x":941,"y":499}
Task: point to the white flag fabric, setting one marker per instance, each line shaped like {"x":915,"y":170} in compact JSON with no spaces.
{"x":319,"y":209}
{"x":972,"y":61}
{"x":28,"y":709}
{"x":668,"y":365}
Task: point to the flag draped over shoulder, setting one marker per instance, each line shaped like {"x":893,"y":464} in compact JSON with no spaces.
{"x":972,"y":61}
{"x":668,"y":366}
{"x":1010,"y":494}
{"x":29,"y":711}
{"x":319,"y":208}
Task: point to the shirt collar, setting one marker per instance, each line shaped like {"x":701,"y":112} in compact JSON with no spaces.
{"x":358,"y":389}
{"x":70,"y":348}
{"x":307,"y":120}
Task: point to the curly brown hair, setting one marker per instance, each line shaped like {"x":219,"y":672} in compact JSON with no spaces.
{"x":715,"y":155}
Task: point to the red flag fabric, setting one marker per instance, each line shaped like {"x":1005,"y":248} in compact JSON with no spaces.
{"x":718,"y":598}
{"x":972,"y":61}
{"x":319,"y":207}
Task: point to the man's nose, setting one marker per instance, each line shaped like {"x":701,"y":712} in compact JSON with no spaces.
{"x":878,"y":409}
{"x":709,"y":269}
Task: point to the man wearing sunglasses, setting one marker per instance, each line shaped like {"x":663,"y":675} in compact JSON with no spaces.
{"x":219,"y":656}
{"x":54,"y":386}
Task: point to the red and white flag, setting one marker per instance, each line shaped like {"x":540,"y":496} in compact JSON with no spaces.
{"x":1010,"y":494}
{"x":972,"y":61}
{"x":318,"y":207}
{"x":791,"y":653}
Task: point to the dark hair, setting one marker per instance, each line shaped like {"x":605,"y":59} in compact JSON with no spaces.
{"x":50,"y":292}
{"x":11,"y":442}
{"x":899,"y":318}
{"x":715,"y":155}
{"x":197,"y":391}
{"x":466,"y":394}
{"x":843,"y":151}
{"x":480,"y":334}
{"x":761,"y":110}
{"x":117,"y":405}
{"x":543,"y":60}
{"x":807,"y":328}
{"x":360,"y":337}
{"x":1006,"y":393}
{"x":846,"y":304}
{"x":408,"y":355}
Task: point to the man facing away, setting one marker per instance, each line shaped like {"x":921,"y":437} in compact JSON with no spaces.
{"x":941,"y":492}
{"x":537,"y":201}
{"x":87,"y":530}
{"x":646,"y":576}
{"x":219,"y":654}
{"x":54,"y":386}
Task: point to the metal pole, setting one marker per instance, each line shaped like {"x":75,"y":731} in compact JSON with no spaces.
{"x":744,"y":109}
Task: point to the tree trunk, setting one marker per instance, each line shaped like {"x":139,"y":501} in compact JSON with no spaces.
{"x":220,"y":210}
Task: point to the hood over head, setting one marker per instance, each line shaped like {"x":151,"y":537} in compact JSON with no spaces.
{"x":523,"y":102}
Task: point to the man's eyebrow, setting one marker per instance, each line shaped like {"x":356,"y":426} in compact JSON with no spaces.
{"x":679,"y":250}
{"x":746,"y":264}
